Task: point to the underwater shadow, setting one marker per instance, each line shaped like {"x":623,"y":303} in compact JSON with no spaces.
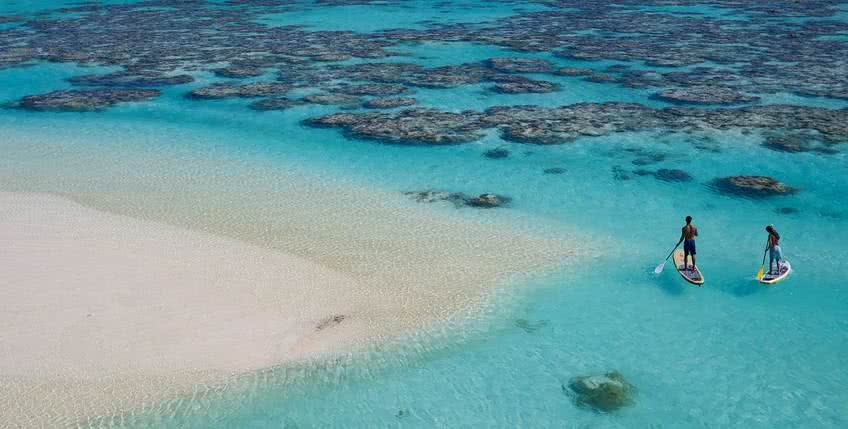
{"x":667,"y":283}
{"x":746,"y":287}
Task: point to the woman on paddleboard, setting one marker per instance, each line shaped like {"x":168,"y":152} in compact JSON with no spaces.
{"x":775,"y":252}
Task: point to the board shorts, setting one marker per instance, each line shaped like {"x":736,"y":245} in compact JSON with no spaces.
{"x":775,"y":254}
{"x":689,"y":247}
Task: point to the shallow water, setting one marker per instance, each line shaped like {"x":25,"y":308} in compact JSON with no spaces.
{"x":414,"y":14}
{"x":730,"y":354}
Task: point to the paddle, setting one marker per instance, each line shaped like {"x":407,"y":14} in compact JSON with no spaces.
{"x":763,"y":265}
{"x":661,"y":266}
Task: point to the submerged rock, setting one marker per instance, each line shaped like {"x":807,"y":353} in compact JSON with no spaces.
{"x":497,"y":153}
{"x":131,"y":80}
{"x":459,"y":199}
{"x":330,"y":99}
{"x":530,"y":327}
{"x":563,"y":124}
{"x":82,"y":100}
{"x":331,"y":57}
{"x":5,"y":19}
{"x":601,"y":78}
{"x":487,"y":201}
{"x":620,"y":174}
{"x":447,"y":76}
{"x":786,"y":143}
{"x":534,"y":133}
{"x":672,"y":175}
{"x":541,"y":125}
{"x":604,"y":393}
{"x":224,"y":90}
{"x":276,"y":103}
{"x":523,"y":85}
{"x":752,"y":186}
{"x":339,"y":120}
{"x":705,"y":95}
{"x":389,"y":103}
{"x":554,"y":170}
{"x":239,"y":71}
{"x":431,"y":196}
{"x":574,"y":71}
{"x":648,"y":158}
{"x":833,"y":214}
{"x":410,"y":126}
{"x":796,"y":143}
{"x":330,"y":321}
{"x":184,"y":35}
{"x":520,"y":65}
{"x":376,"y":89}
{"x":617,"y":68}
{"x":665,"y":174}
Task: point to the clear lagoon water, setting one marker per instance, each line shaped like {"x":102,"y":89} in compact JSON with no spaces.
{"x":731,"y":354}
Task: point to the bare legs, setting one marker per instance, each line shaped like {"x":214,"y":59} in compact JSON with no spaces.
{"x":777,"y":262}
{"x":686,"y":257}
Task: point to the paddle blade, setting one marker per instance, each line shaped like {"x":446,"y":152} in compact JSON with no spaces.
{"x":760,"y":273}
{"x":659,"y":268}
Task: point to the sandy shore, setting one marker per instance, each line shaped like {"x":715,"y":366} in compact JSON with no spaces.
{"x":136,"y":269}
{"x":90,"y":296}
{"x":103,"y":311}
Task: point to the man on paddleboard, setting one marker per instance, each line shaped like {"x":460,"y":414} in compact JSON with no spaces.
{"x":687,"y":237}
{"x":775,"y":252}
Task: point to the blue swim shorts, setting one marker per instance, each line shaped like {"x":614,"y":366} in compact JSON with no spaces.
{"x":689,"y":247}
{"x":775,"y":254}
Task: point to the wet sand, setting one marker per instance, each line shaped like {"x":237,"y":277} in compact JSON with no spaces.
{"x":105,"y":312}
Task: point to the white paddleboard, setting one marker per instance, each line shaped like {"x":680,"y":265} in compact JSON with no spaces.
{"x":692,"y":276}
{"x":770,"y":279}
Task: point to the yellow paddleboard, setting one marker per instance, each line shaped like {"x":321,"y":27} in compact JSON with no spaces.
{"x":692,"y":276}
{"x":770,"y":279}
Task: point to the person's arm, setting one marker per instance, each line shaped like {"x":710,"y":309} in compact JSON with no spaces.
{"x":695,"y":230}
{"x":682,"y":234}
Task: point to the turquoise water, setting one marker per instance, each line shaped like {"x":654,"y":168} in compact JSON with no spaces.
{"x":414,"y":14}
{"x":730,"y":354}
{"x":694,"y":10}
{"x":30,"y":7}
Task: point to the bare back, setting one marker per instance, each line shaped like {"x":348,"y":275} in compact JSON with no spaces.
{"x":690,"y":232}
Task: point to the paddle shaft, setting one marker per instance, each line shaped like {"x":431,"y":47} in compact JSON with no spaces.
{"x":678,"y":245}
{"x":764,"y":253}
{"x":763,"y":265}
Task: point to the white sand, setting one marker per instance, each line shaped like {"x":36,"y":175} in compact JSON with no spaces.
{"x":133,"y":269}
{"x":102,"y":311}
{"x":88,"y":295}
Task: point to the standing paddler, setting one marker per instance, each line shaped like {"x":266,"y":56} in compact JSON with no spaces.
{"x":773,"y":247}
{"x":681,"y":257}
{"x":687,"y":237}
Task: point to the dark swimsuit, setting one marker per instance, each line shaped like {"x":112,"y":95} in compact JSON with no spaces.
{"x":689,"y":246}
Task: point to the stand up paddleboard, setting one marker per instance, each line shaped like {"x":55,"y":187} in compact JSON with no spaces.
{"x":692,"y":276}
{"x":772,"y":278}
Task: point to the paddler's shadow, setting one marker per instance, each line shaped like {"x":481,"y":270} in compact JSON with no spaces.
{"x":746,"y":287}
{"x":669,"y":284}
